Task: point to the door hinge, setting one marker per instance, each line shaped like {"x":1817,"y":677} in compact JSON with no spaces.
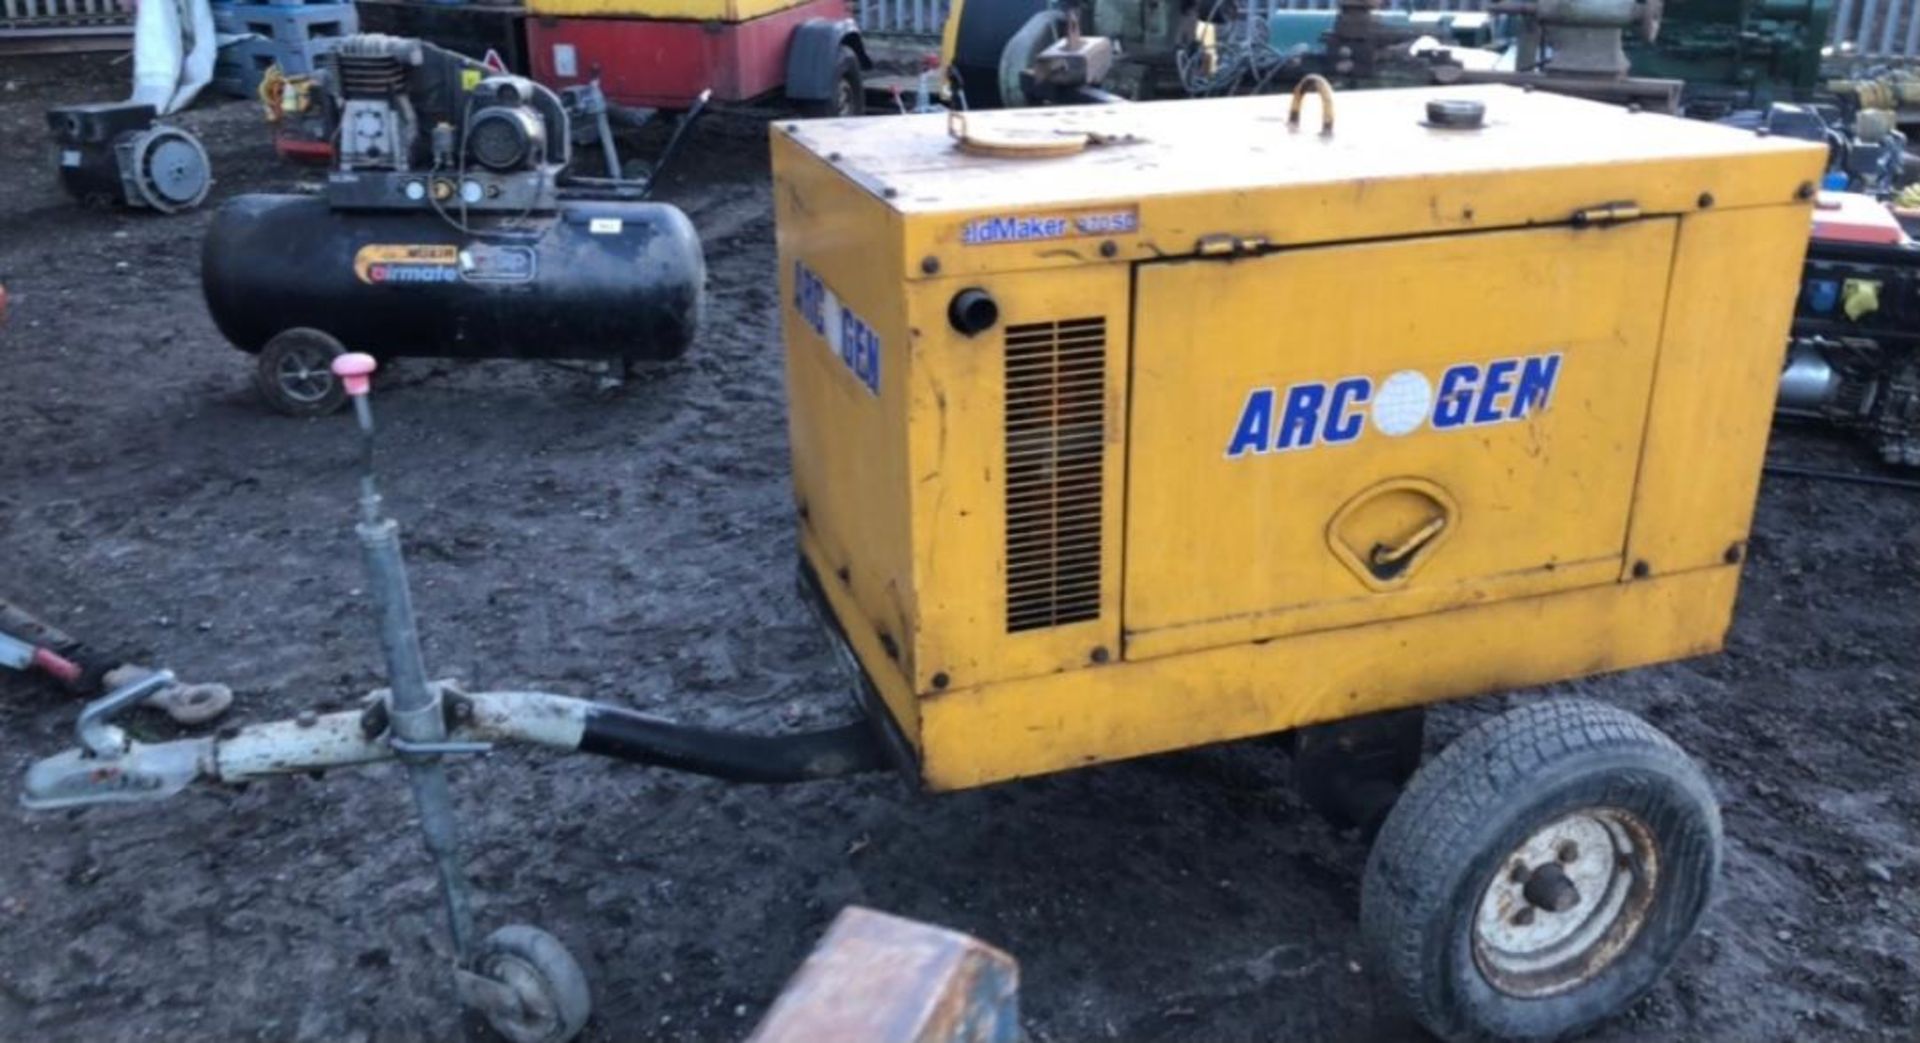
{"x":1607,"y":214}
{"x":1224,"y":244}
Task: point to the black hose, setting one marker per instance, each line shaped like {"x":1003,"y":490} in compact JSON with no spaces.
{"x":1880,"y":481}
{"x":849,"y":749}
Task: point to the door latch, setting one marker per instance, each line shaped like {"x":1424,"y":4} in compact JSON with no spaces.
{"x":1388,"y":560}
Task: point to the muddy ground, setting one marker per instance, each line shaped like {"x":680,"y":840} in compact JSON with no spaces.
{"x":639,"y":550}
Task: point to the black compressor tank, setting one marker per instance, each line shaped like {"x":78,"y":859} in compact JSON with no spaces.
{"x":297,"y":281}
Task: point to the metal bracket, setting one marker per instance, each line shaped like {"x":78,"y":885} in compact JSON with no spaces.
{"x":436,"y":749}
{"x":448,"y":702}
{"x":102,"y":739}
{"x":1607,"y":214}
{"x":76,"y":778}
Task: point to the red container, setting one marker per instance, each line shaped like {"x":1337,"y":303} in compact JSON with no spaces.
{"x":665,"y":64}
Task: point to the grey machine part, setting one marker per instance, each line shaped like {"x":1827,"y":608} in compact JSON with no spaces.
{"x":165,"y":169}
{"x":594,"y":116}
{"x":1575,"y":47}
{"x":114,"y":152}
{"x":378,"y":124}
{"x":1580,"y":37}
{"x":497,"y":147}
{"x":1809,"y":382}
{"x":1868,"y":146}
{"x":1856,"y":383}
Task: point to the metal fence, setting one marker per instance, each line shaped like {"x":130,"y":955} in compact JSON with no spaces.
{"x":27,"y":26}
{"x":67,"y":12}
{"x":1881,"y":28}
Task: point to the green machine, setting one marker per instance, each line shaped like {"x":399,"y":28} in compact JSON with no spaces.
{"x":1736,"y":53}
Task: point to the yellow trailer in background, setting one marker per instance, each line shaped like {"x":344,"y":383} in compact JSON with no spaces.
{"x":1126,"y":429}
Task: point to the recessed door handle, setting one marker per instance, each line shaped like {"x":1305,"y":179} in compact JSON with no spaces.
{"x":1388,"y":559}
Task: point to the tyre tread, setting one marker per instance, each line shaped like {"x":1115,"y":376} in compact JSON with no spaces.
{"x":1448,"y":799}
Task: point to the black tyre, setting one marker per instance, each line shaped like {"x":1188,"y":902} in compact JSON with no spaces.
{"x":1541,"y":873}
{"x":294,"y":374}
{"x":554,"y":1003}
{"x":980,"y":48}
{"x":849,"y":96}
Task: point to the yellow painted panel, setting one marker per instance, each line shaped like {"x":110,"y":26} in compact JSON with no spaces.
{"x":1230,"y":166}
{"x":961,"y":457}
{"x":848,"y":420}
{"x":671,"y":10}
{"x":1738,"y":272}
{"x":1469,"y":407}
{"x":865,"y":644}
{"x":1253,"y":595}
{"x":1069,"y":720}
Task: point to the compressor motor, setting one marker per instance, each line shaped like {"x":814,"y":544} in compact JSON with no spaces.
{"x":419,"y":124}
{"x":114,"y":152}
{"x":447,"y":227}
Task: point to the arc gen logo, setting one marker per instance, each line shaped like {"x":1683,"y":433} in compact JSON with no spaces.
{"x":1338,"y":412}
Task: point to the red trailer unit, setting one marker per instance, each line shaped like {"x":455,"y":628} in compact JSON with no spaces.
{"x":810,"y":50}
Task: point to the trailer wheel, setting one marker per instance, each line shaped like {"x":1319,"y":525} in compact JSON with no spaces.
{"x":849,"y":96}
{"x":552,"y":989}
{"x":1541,"y":873}
{"x":294,"y":373}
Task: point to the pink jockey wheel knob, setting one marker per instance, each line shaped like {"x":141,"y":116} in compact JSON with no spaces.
{"x":355,"y":370}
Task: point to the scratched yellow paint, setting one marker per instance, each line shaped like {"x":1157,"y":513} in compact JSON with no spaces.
{"x":1687,"y":515}
{"x":959,"y":503}
{"x":1068,"y":720}
{"x":1532,"y":500}
{"x":1242,"y":595}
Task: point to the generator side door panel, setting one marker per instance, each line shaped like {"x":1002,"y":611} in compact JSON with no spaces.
{"x":1330,"y":436}
{"x":1018,"y":469}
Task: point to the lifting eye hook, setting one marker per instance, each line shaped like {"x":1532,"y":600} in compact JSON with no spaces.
{"x":1320,"y":85}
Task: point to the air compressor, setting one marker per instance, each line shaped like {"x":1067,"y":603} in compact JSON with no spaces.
{"x":448,"y":226}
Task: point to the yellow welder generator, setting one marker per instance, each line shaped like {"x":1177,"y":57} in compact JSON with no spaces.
{"x":1124,"y":429}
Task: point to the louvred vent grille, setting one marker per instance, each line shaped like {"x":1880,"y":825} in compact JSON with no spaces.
{"x":1056,"y":444}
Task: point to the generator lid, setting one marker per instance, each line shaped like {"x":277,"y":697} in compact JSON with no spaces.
{"x":1181,"y":169}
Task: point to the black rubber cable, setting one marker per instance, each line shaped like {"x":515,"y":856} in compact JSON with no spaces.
{"x":1850,"y":477}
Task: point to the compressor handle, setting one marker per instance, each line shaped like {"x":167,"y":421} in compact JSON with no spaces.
{"x":355,"y":370}
{"x":1320,"y":85}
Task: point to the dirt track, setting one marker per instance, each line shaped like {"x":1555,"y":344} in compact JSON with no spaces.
{"x":639,"y":550}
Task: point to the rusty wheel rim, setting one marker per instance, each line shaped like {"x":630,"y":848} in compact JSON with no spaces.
{"x":1563,"y":905}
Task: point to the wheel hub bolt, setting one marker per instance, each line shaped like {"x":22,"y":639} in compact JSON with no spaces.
{"x":1549,"y":888}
